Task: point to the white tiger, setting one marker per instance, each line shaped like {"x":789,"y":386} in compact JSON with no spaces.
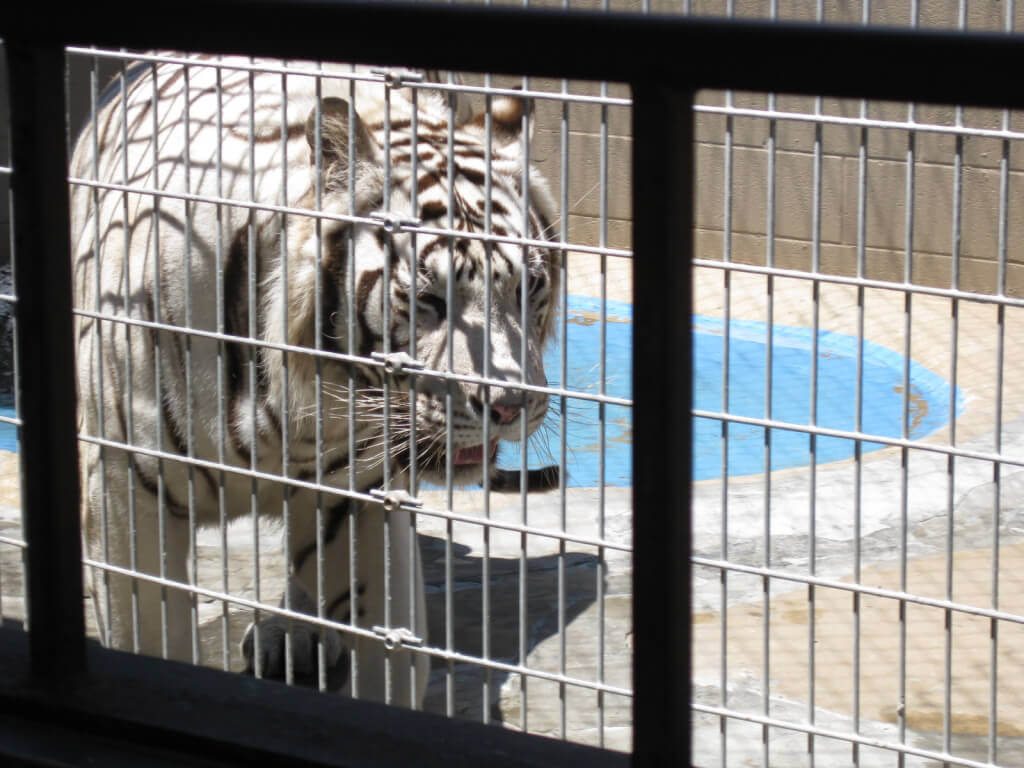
{"x":254,"y":273}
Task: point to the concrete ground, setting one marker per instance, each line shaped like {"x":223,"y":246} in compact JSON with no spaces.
{"x":947,"y":505}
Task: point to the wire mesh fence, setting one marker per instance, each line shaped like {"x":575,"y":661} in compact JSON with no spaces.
{"x":855,"y":440}
{"x":859,"y":591}
{"x":255,"y":243}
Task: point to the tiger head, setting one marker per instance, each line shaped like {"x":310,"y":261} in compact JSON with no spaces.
{"x":460,"y":295}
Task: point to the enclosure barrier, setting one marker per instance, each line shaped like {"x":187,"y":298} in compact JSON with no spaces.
{"x":122,"y":706}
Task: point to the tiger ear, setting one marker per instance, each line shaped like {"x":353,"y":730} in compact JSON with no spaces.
{"x":462,"y":106}
{"x":508,"y":113}
{"x":334,"y":140}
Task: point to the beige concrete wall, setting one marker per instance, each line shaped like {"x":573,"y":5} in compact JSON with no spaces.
{"x":885,"y":173}
{"x":884,"y":176}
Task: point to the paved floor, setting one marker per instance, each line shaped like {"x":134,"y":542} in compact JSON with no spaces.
{"x":933,"y":488}
{"x":887,"y":517}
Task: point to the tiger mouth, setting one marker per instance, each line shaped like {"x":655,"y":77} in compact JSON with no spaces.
{"x":473,"y":455}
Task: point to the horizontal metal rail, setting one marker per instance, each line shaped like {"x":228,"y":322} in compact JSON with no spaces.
{"x":863,"y":437}
{"x":862,"y":282}
{"x":13,"y":542}
{"x":861,"y":589}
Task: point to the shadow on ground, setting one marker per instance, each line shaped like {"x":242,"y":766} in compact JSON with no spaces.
{"x":541,"y":619}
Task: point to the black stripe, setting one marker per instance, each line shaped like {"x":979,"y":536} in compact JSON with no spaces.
{"x":427,"y":180}
{"x":236,"y":323}
{"x":368,"y":337}
{"x":172,"y":426}
{"x":336,"y":515}
{"x":176,"y":75}
{"x":344,"y":597}
{"x":433,"y":210}
{"x":150,"y":484}
{"x":473,"y":175}
{"x":332,"y":282}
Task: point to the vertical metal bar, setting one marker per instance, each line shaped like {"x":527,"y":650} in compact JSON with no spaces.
{"x":766,"y":585}
{"x":286,"y":490}
{"x":189,"y":387}
{"x":385,"y":292}
{"x":907,"y":342}
{"x":318,"y":330}
{"x":858,"y":420}
{"x":1004,"y":185}
{"x":222,"y":415}
{"x":46,"y":387}
{"x":769,"y":358}
{"x":129,"y":395}
{"x":413,"y":552}
{"x":812,"y":553}
{"x":350,"y":348}
{"x":158,"y":374}
{"x":252,"y":233}
{"x":563,"y":146}
{"x":488,"y":298}
{"x":563,"y":403}
{"x":813,"y":420}
{"x":97,"y":326}
{"x":602,"y":567}
{"x":723,"y":576}
{"x":449,"y":583}
{"x":524,"y":305}
{"x":947,"y":704}
{"x":662,"y":232}
{"x":958,"y":165}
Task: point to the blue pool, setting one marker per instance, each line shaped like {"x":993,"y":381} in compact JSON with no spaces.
{"x":882,"y":377}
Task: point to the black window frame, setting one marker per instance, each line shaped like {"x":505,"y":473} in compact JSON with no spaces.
{"x":66,"y":702}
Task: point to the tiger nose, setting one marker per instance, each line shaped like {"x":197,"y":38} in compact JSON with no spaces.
{"x":501,"y":412}
{"x":504,"y":414}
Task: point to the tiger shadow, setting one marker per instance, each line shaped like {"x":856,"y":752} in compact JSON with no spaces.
{"x":468,"y":676}
{"x":541,"y":618}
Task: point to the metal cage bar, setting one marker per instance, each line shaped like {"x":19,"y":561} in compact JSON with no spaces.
{"x":46,"y":383}
{"x":661,"y":423}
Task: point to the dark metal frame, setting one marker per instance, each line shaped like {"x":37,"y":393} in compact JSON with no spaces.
{"x":63,"y":703}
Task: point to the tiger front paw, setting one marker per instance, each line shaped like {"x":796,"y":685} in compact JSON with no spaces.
{"x":272,"y":633}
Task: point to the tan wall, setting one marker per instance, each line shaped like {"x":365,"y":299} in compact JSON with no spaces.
{"x":885,"y":177}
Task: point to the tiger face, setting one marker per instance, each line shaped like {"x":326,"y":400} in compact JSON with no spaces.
{"x":477,"y":304}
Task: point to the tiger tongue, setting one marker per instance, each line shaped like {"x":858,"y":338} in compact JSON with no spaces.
{"x":473,"y":455}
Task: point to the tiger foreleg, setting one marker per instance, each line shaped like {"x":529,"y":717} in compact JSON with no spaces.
{"x":136,"y":613}
{"x":381,"y":670}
